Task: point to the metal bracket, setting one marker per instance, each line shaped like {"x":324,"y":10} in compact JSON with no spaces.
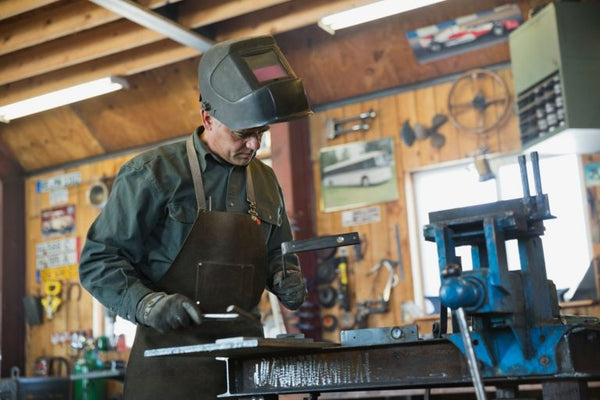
{"x":317,"y":243}
{"x":378,"y":336}
{"x":335,"y":127}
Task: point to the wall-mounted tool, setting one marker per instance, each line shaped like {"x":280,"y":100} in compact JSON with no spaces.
{"x":327,"y":296}
{"x":399,"y":265}
{"x":343,"y":291}
{"x":335,"y":127}
{"x":51,"y":300}
{"x":409,"y":134}
{"x":326,"y":270}
{"x":97,"y":193}
{"x":330,"y":323}
{"x":380,"y":304}
{"x":479,"y":101}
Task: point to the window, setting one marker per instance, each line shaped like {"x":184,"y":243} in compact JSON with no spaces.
{"x":566,"y":242}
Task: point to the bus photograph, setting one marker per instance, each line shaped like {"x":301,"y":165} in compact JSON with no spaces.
{"x":358,"y":174}
{"x":366,"y":169}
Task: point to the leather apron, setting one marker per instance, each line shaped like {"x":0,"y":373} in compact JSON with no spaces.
{"x":223,"y":261}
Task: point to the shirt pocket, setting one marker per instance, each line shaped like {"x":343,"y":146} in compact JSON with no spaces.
{"x":181,"y":213}
{"x":270,"y":213}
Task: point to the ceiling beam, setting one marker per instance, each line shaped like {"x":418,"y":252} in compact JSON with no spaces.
{"x":62,"y":20}
{"x":65,"y":52}
{"x":137,"y":60}
{"x":10,"y":8}
{"x":286,"y":17}
{"x":20,"y":77}
{"x":114,"y":38}
{"x":201,"y":13}
{"x":157,"y":22}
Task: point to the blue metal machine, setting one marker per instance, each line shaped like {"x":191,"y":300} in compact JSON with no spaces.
{"x":515,"y":326}
{"x":516,"y":334}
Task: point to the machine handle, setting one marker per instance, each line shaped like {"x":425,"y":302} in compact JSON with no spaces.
{"x":470,"y":352}
{"x":317,"y":243}
{"x":456,"y":292}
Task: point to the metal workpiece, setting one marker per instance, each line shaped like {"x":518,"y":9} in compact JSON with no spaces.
{"x":416,"y":364}
{"x":379,"y":336}
{"x":242,"y":347}
{"x":263,"y":367}
{"x":348,"y":368}
{"x":317,"y":243}
{"x":320,"y":242}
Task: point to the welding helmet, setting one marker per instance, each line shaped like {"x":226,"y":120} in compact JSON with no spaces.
{"x":245,"y":83}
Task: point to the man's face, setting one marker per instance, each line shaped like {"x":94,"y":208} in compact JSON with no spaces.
{"x":235,"y":147}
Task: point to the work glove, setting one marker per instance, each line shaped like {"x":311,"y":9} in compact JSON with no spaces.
{"x":291,"y":291}
{"x":166,"y":312}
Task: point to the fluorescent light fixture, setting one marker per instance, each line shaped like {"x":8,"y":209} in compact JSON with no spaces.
{"x":370,"y":12}
{"x":61,"y":97}
{"x":156,"y":22}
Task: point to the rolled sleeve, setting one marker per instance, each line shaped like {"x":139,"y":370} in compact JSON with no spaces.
{"x":114,"y":249}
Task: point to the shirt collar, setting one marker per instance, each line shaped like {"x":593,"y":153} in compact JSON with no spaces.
{"x":203,"y":150}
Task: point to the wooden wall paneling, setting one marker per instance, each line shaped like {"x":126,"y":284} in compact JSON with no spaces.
{"x":76,"y":311}
{"x":463,"y":95}
{"x":376,"y":233}
{"x":396,"y":211}
{"x":451,"y":148}
{"x":425,"y":98}
{"x":418,"y":105}
{"x":406,"y":108}
{"x":509,"y":133}
{"x":318,"y":137}
{"x":490,"y":139}
{"x":384,"y":231}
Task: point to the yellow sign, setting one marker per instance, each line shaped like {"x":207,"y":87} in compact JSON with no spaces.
{"x":65,"y":273}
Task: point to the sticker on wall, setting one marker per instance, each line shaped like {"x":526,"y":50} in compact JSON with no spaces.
{"x":58,"y":182}
{"x":465,"y":33}
{"x":592,"y":174}
{"x":363,"y":216}
{"x":358,"y":174}
{"x":57,"y":259}
{"x":59,"y":196}
{"x":592,"y":181}
{"x":58,"y":221}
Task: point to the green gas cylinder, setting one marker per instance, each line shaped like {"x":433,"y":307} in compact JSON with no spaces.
{"x":86,"y":388}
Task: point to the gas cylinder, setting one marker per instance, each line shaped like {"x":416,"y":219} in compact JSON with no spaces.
{"x":86,"y":388}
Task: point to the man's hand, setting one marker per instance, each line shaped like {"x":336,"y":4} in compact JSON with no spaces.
{"x":291,"y":291}
{"x":165,"y":312}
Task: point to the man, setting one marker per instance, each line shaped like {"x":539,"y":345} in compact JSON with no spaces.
{"x":192,"y":228}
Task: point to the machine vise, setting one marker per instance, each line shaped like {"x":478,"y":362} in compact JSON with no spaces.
{"x":515,"y":327}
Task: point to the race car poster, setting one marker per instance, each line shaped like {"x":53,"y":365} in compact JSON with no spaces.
{"x":465,"y":33}
{"x":58,"y":221}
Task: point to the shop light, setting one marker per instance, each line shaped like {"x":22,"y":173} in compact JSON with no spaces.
{"x":61,"y":97}
{"x":370,"y":12}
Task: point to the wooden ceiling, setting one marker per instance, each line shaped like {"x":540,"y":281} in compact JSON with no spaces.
{"x":52,"y":44}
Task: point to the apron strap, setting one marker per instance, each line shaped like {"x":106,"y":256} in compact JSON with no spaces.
{"x":199,"y":186}
{"x":196,"y":173}
{"x":250,"y":194}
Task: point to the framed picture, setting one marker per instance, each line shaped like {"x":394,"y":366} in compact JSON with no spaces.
{"x":465,"y":33}
{"x":358,"y":174}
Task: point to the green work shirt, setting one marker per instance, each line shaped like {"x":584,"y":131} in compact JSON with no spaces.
{"x":152,"y":208}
